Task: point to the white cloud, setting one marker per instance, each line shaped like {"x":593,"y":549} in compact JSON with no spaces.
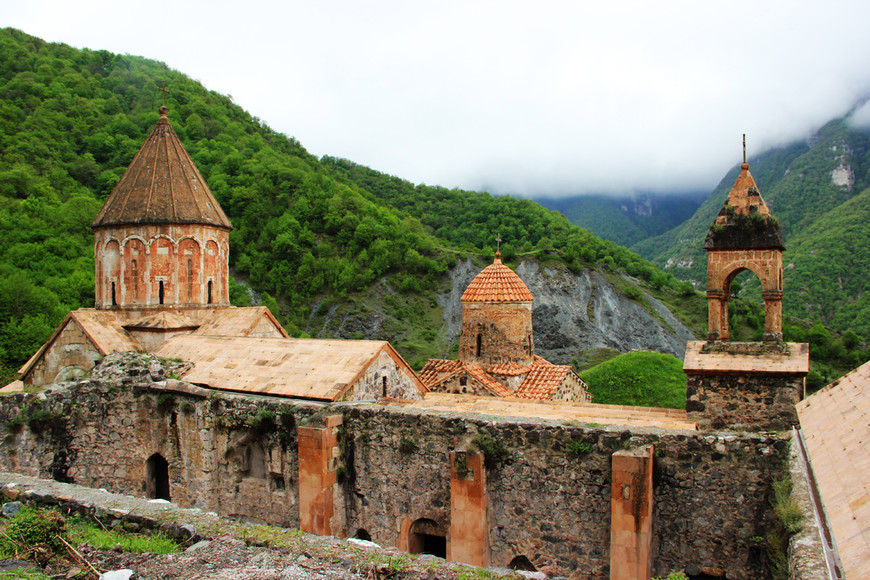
{"x":543,"y":98}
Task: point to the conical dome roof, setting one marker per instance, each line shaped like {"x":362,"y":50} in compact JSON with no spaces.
{"x":497,"y":283}
{"x":161,"y":185}
{"x":745,"y":220}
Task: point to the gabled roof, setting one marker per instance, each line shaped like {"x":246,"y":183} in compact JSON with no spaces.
{"x":487,"y":381}
{"x":509,"y":368}
{"x":835,"y":423}
{"x":161,"y":185}
{"x":745,"y":220}
{"x":102,"y":327}
{"x":433,"y":367}
{"x":233,"y":321}
{"x":543,"y":380}
{"x":497,"y":283}
{"x":163,"y":321}
{"x":289,"y":367}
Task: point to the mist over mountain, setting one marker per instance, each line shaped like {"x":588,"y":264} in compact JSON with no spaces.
{"x":818,"y":190}
{"x":629,"y":218}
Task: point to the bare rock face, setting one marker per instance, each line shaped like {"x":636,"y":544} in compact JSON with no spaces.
{"x":575,"y":312}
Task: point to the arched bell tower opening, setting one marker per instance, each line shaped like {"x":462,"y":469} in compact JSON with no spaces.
{"x":745,"y":236}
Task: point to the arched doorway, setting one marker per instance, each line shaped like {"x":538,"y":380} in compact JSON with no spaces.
{"x":427,"y":537}
{"x":157,"y":477}
{"x":522,"y":563}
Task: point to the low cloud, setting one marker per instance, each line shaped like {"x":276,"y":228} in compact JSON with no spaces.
{"x":551,"y":98}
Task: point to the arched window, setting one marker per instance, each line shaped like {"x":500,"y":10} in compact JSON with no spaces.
{"x":479,"y":344}
{"x":209,"y":292}
{"x":135,"y":273}
{"x":160,"y":292}
{"x":114,"y":300}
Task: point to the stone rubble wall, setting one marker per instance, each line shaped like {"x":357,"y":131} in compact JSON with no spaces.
{"x":741,"y":402}
{"x":548,"y":483}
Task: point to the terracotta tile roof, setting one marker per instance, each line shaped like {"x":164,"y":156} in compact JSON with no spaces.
{"x":497,"y":283}
{"x":289,"y":367}
{"x":543,"y":380}
{"x":836,"y":427}
{"x":102,"y":327}
{"x":555,"y":410}
{"x":795,"y":362}
{"x":481,"y":376}
{"x":510,"y":369}
{"x":434,"y":367}
{"x":234,"y":321}
{"x":161,"y":185}
{"x":166,"y":320}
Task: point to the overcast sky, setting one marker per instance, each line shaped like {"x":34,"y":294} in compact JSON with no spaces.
{"x":530,"y":98}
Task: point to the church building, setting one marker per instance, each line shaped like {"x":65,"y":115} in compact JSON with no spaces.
{"x":161,"y":249}
{"x":497,"y":348}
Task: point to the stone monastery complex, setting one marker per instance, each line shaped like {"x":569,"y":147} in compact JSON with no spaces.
{"x":498,"y":458}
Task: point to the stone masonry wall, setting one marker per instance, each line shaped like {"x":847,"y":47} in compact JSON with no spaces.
{"x":547,"y":483}
{"x":743,"y":402}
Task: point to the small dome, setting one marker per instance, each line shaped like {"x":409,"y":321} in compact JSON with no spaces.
{"x":497,"y":283}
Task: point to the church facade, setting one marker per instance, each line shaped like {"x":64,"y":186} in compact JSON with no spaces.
{"x":497,"y":346}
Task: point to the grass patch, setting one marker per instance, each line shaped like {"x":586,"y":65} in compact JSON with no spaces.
{"x":643,"y":379}
{"x":83,"y":531}
{"x":592,"y":357}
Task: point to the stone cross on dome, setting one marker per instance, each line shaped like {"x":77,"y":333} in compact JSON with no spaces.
{"x":498,"y":246}
{"x":163,"y":90}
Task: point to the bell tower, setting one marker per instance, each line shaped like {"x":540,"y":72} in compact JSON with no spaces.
{"x":745,"y":236}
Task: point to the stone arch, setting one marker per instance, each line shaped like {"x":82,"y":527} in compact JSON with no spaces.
{"x":111,"y":272}
{"x":522,"y":562}
{"x":157,"y":477}
{"x":189,"y":271}
{"x":212,"y":269}
{"x":427,"y":537}
{"x":723,"y":266}
{"x":135,"y":268}
{"x":163,"y":269}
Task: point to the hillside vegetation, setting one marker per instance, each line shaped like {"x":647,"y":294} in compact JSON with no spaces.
{"x":827,"y":258}
{"x":315,"y":241}
{"x":644,"y":379}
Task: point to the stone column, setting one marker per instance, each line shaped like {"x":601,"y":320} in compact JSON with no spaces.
{"x":469,"y":528}
{"x":715,"y":328}
{"x":631,"y":508}
{"x":772,"y":315}
{"x":318,"y":464}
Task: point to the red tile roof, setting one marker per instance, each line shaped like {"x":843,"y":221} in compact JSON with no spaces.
{"x":162,"y":185}
{"x":510,"y":369}
{"x":481,"y":376}
{"x":497,"y":283}
{"x":433,"y":367}
{"x":543,"y":380}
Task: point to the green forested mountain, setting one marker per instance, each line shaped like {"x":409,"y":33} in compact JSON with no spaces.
{"x":311,"y":238}
{"x":824,"y":223}
{"x":626,"y":219}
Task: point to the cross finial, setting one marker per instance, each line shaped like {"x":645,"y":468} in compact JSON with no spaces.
{"x":163,"y":90}
{"x":744,"y":148}
{"x":498,"y":242}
